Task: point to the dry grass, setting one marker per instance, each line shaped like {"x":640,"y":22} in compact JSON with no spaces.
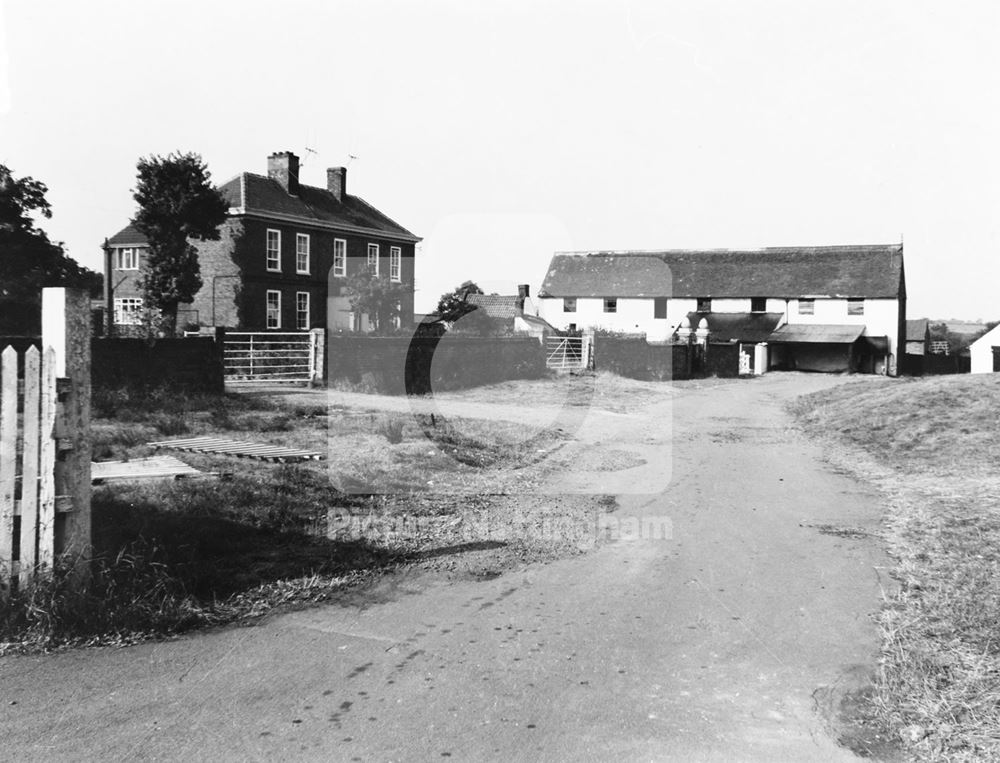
{"x":931,"y":445}
{"x":171,"y":556}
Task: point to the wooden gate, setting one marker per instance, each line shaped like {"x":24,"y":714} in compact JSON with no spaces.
{"x":567,"y":353}
{"x":44,"y":446}
{"x":271,"y":356}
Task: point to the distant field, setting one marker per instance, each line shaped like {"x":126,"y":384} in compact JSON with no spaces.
{"x":932,"y":446}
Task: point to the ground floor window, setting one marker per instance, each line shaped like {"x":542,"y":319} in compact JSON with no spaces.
{"x":128,"y":311}
{"x":273,"y":309}
{"x":302,"y":310}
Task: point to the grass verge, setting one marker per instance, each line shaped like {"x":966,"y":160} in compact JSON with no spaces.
{"x":930,"y":444}
{"x":172,"y":556}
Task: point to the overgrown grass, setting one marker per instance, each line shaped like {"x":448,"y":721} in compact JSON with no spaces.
{"x":171,"y":556}
{"x":932,"y":445}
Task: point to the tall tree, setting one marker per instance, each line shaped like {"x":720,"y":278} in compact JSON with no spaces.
{"x":454,"y":304}
{"x":378,"y":297}
{"x":177,"y":203}
{"x":29,"y":261}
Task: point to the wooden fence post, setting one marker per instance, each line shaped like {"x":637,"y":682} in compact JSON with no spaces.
{"x":317,"y":355}
{"x":66,"y":327}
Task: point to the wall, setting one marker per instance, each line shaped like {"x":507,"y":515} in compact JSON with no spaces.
{"x":981,"y":351}
{"x":193,"y":364}
{"x":635,"y":358}
{"x":418,"y":365}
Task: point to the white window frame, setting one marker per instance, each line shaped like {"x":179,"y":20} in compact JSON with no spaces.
{"x":302,"y":325}
{"x":340,"y":268}
{"x":808,"y":304}
{"x":396,"y":263}
{"x":301,"y":251}
{"x":273,"y":255}
{"x":276,"y":309}
{"x":131,"y":262}
{"x":373,"y":248}
{"x":128,"y":311}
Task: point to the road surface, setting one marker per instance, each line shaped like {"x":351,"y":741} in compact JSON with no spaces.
{"x":712,"y":644}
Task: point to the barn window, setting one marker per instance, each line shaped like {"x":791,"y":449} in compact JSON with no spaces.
{"x":659,"y":307}
{"x":807,"y":306}
{"x":569,"y":304}
{"x":855,"y":307}
{"x":611,"y":304}
{"x":758,"y":304}
{"x":704,"y":304}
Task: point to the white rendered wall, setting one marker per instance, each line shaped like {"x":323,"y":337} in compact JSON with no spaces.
{"x":981,"y":351}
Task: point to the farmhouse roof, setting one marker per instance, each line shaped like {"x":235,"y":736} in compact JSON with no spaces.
{"x":501,"y":306}
{"x":816,"y":334}
{"x":251,"y":193}
{"x":129,"y":235}
{"x":870,"y":271}
{"x":916,"y":330}
{"x":738,"y":327}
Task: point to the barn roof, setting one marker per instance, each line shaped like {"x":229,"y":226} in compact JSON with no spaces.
{"x":738,"y":327}
{"x":870,"y":271}
{"x":263,"y":195}
{"x":501,"y":306}
{"x":812,"y":333}
{"x":916,"y":330}
{"x":129,"y":235}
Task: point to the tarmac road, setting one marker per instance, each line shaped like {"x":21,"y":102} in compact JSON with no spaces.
{"x":711,"y":644}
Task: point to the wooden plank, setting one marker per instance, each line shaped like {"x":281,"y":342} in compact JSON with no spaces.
{"x":237,"y":448}
{"x":29,"y":471}
{"x":72,"y":467}
{"x":47,"y":464}
{"x":8,"y":464}
{"x":156,"y":467}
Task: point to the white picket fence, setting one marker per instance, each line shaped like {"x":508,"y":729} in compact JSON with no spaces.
{"x":44,"y":446}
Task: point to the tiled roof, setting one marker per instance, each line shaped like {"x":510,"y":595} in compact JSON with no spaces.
{"x":500,"y":306}
{"x":128,"y":235}
{"x":816,"y":334}
{"x":257,"y":193}
{"x":739,"y":327}
{"x":780,"y":272}
{"x":916,"y":330}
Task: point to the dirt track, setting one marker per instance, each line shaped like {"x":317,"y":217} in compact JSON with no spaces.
{"x":719,"y":642}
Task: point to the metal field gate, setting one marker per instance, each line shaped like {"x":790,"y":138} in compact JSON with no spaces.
{"x":271,"y":356}
{"x":567,"y":353}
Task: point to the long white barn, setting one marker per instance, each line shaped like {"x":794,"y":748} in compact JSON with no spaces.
{"x":827,"y":308}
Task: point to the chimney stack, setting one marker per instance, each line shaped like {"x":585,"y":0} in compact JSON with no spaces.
{"x":336,"y":182}
{"x":522,"y":295}
{"x":283,"y":166}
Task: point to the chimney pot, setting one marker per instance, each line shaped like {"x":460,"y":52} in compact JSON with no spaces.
{"x":336,"y":182}
{"x":283,"y":166}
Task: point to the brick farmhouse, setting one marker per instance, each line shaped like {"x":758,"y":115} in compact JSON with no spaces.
{"x":282,"y":260}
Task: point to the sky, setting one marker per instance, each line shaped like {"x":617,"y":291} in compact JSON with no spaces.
{"x":501,"y":132}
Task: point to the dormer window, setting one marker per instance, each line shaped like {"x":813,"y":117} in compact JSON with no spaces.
{"x":704,"y":304}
